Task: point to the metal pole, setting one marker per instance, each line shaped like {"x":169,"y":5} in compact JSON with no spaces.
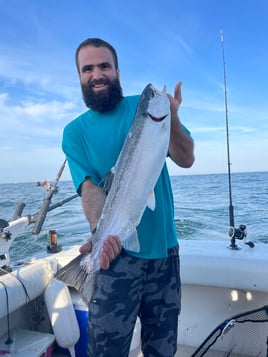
{"x":45,"y":206}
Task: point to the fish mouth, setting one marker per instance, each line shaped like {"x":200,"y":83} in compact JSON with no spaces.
{"x":157,"y":119}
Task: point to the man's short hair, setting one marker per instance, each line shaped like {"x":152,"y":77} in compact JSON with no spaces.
{"x":96,"y":42}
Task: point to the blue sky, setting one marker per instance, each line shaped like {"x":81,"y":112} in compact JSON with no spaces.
{"x":160,"y":42}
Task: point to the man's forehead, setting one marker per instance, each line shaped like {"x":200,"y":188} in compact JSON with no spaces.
{"x":94,"y":55}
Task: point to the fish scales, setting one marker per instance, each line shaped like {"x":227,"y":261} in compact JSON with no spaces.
{"x":135,"y":174}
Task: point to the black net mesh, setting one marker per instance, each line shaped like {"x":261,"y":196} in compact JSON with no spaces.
{"x":245,"y":334}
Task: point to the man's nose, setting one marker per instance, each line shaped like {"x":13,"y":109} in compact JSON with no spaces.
{"x":97,"y":73}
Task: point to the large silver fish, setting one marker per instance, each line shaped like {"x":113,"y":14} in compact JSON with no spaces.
{"x":135,"y":174}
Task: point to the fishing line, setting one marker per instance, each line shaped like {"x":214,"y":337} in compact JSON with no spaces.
{"x":14,"y":276}
{"x":9,"y":339}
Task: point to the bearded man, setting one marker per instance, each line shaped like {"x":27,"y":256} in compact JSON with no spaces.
{"x":129,"y":285}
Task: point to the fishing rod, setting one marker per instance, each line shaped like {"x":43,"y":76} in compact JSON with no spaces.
{"x":52,"y":189}
{"x":241,"y":231}
{"x":10,"y":229}
{"x":34,"y":216}
{"x":38,"y":218}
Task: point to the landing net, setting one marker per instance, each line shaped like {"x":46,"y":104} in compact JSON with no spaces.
{"x":245,"y":334}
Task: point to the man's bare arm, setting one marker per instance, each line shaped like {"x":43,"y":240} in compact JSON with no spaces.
{"x":93,"y":199}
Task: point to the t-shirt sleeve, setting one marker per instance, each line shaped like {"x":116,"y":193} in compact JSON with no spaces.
{"x":76,"y":156}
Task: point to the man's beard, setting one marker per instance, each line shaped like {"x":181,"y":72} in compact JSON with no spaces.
{"x":103,"y":101}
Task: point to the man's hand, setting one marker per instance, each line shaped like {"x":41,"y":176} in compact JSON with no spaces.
{"x":111,"y":249}
{"x":176,"y":100}
{"x":181,"y":145}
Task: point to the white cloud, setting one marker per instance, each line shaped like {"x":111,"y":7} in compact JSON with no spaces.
{"x":30,"y":138}
{"x":26,"y":115}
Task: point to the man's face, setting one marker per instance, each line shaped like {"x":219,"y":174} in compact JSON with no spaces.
{"x":99,"y":78}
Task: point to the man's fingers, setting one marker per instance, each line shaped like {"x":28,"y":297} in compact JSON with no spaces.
{"x":104,"y":261}
{"x":111,"y":249}
{"x":87,"y":246}
{"x":177,"y":92}
{"x":116,"y":244}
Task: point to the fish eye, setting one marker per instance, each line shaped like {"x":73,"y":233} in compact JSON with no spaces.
{"x":152,"y":94}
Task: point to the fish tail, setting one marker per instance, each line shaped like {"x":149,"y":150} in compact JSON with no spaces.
{"x":73,"y":273}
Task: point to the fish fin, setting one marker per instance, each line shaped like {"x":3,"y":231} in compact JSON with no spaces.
{"x":73,"y":274}
{"x":151,"y":200}
{"x":131,"y":242}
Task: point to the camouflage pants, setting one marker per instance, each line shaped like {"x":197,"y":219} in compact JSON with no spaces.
{"x":135,"y":287}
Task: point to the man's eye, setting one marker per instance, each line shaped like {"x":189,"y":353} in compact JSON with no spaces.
{"x":86,"y":69}
{"x":105,"y":66}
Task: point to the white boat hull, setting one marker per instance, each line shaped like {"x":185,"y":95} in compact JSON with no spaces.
{"x":217,"y":283}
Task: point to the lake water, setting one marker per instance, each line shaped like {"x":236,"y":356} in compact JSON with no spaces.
{"x":201,"y":210}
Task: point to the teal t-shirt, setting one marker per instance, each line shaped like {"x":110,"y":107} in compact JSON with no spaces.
{"x":92,"y":143}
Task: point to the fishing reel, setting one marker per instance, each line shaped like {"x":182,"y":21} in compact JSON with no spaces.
{"x":239,"y":233}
